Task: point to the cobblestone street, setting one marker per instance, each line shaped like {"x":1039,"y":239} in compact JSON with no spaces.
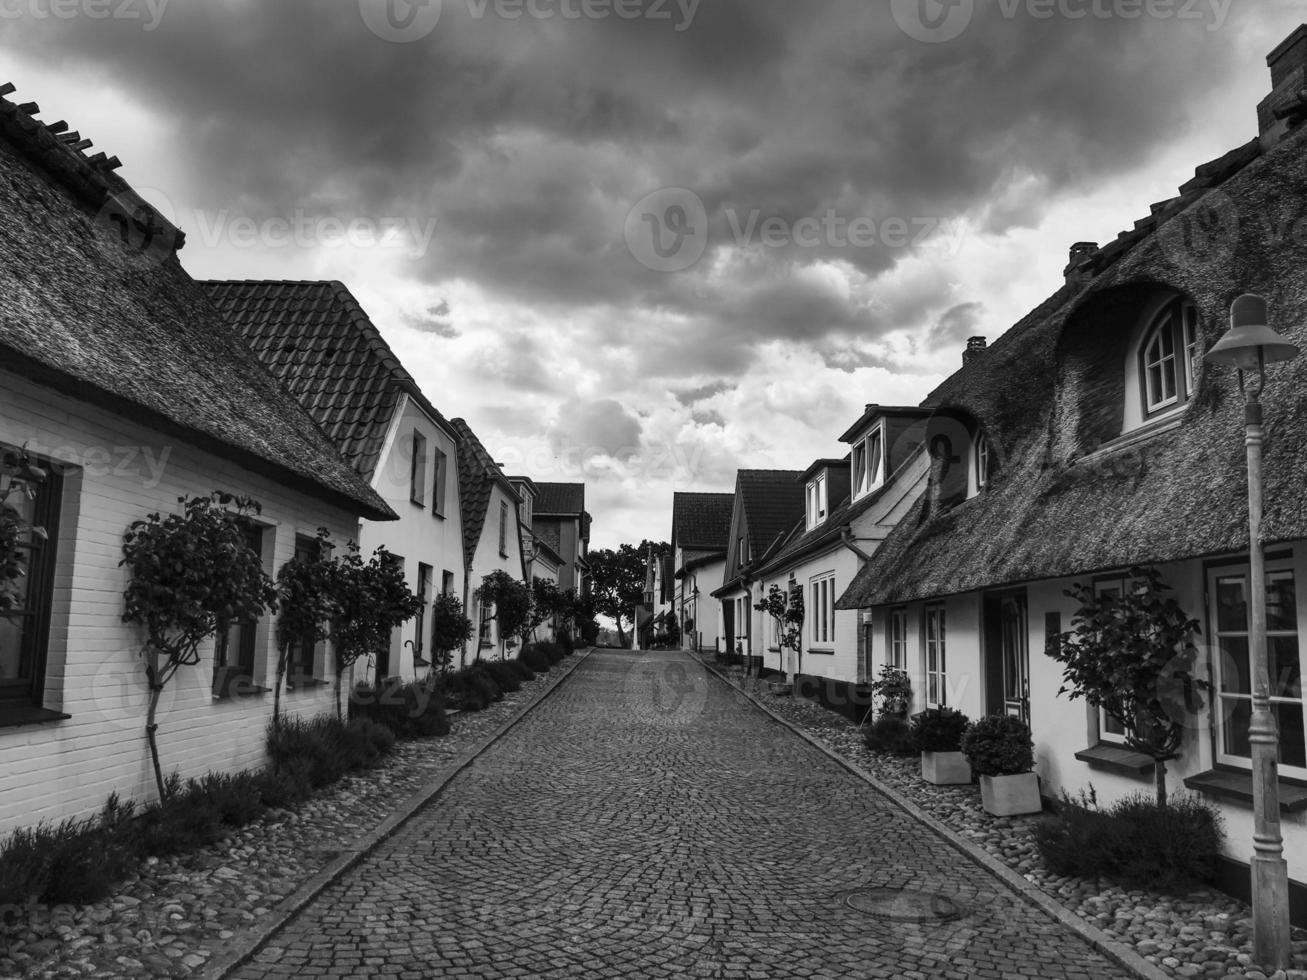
{"x":643,"y":822}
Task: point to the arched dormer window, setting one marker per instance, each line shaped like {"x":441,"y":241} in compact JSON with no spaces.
{"x":1168,"y":353}
{"x":981,"y":461}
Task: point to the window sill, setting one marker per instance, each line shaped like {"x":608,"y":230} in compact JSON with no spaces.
{"x":1153,"y":427}
{"x":823,"y":653}
{"x":30,"y":714}
{"x":437,"y":515}
{"x":1237,"y":785}
{"x":305,"y":684}
{"x":773,"y":649}
{"x":1117,"y":758}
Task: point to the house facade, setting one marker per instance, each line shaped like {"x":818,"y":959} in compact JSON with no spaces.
{"x":1097,"y":440}
{"x":766,"y":508}
{"x":320,"y":343}
{"x":560,"y":519}
{"x":123,"y":383}
{"x":492,"y":538}
{"x":701,"y":527}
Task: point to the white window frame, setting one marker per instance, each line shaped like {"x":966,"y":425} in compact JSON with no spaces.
{"x":1170,"y":346}
{"x":820,"y":612}
{"x":868,"y":478}
{"x":896,"y":643}
{"x":1107,"y":722}
{"x":1220,"y":699}
{"x":981,"y":459}
{"x":817,"y":500}
{"x":934,"y":652}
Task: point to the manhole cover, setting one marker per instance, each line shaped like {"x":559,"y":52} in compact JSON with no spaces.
{"x":905,"y":905}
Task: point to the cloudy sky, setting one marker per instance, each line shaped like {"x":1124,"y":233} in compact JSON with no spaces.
{"x":644,"y":243}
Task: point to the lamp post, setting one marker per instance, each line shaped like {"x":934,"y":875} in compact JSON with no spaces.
{"x":1249,"y":346}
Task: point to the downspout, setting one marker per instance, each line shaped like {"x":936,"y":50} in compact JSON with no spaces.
{"x":476,"y":627}
{"x":849,"y":541}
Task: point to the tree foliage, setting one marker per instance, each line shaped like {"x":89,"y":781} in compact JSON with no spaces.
{"x":785,"y":607}
{"x":618,"y":578}
{"x":511,"y":602}
{"x":24,"y":477}
{"x":450,"y":628}
{"x":193,"y":575}
{"x":308,"y":605}
{"x":372,"y":601}
{"x":1133,"y":656}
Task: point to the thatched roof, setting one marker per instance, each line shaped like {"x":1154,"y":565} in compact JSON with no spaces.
{"x":1056,"y":507}
{"x":98,"y":307}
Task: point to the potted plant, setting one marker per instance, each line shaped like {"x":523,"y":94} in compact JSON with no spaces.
{"x":937,"y":735}
{"x":999,"y":749}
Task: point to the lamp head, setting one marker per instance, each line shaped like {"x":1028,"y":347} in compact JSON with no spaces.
{"x":1250,"y":343}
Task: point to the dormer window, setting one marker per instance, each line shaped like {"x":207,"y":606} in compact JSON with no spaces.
{"x":869,"y":463}
{"x":817,"y":501}
{"x":1168,"y":359}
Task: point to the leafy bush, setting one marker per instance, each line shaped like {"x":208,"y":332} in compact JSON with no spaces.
{"x":75,"y":862}
{"x":939,"y":730}
{"x":183,"y":821}
{"x":325,"y":747}
{"x":890,"y":735}
{"x":534,"y":656}
{"x":472,"y":688}
{"x":892,"y":691}
{"x":380,"y":737}
{"x":281,"y":787}
{"x":567,"y":643}
{"x":1135,"y":841}
{"x":413,"y":709}
{"x":237,"y":797}
{"x":504,"y":676}
{"x":999,"y":745}
{"x":524,"y":673}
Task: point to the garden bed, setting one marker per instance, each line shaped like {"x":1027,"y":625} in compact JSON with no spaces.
{"x":1204,"y":933}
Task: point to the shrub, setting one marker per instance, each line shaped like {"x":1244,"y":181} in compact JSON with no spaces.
{"x":182,"y":821}
{"x":1135,"y":842}
{"x":75,"y":862}
{"x":281,"y":787}
{"x":554,"y":652}
{"x":567,"y":643}
{"x":471,"y":688}
{"x":999,"y":745}
{"x":23,"y":867}
{"x":236,"y":797}
{"x":504,"y":676}
{"x":938,"y":730}
{"x":413,"y":709}
{"x":892,"y":692}
{"x":524,"y":673}
{"x":534,"y":656}
{"x":890,"y":735}
{"x":380,"y":737}
{"x":325,"y":747}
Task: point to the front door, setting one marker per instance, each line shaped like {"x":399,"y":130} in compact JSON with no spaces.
{"x":1007,"y":654}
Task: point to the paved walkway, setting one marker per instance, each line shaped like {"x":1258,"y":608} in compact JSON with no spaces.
{"x":644,"y":823}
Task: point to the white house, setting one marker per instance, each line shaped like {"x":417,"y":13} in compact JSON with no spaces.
{"x":121,"y":379}
{"x":701,"y":527}
{"x":321,"y":344}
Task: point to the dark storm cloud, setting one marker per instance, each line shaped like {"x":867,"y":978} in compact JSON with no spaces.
{"x":529,"y":141}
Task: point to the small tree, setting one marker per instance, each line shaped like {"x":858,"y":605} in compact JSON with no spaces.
{"x":450,"y":628}
{"x":892,"y":692}
{"x":511,"y":601}
{"x":673,"y":629}
{"x":786,"y":610}
{"x":549,"y":604}
{"x":1133,"y":656}
{"x":372,"y":601}
{"x":304,"y":593}
{"x":193,"y":576}
{"x":24,"y":478}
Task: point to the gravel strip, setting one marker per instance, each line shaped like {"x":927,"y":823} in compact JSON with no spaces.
{"x":1204,"y":933}
{"x":175,"y":913}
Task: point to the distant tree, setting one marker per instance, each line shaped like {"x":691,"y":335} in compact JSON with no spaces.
{"x":618,"y":579}
{"x":1133,"y":656}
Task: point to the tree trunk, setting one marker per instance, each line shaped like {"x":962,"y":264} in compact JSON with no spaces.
{"x":621,"y":636}
{"x":339,"y":673}
{"x":151,"y":726}
{"x":1159,"y":775}
{"x":276,"y":690}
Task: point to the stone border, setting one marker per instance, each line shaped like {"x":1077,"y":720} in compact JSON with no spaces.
{"x":223,"y":965}
{"x":1116,"y":951}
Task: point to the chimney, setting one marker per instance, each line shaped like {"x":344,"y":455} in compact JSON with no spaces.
{"x":975,"y":347}
{"x":1285,"y":106}
{"x":1081,"y":253}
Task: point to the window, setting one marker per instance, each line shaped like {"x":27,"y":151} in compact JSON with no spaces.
{"x":503,"y":529}
{"x":869,"y":463}
{"x":1111,"y":728}
{"x":817,"y":500}
{"x":300,"y":657}
{"x":24,"y":634}
{"x":484,"y":615}
{"x":439,"y":483}
{"x":234,"y":651}
{"x":418,"y":476}
{"x":446,"y":582}
{"x":1228,"y":595}
{"x":742,"y":621}
{"x":982,"y":461}
{"x":936,"y":663}
{"x":896,"y":649}
{"x":389,"y":655}
{"x":821,"y":610}
{"x":419,"y":620}
{"x":1169,"y":357}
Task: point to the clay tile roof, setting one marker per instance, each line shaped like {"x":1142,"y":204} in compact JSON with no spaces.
{"x":477,"y":475}
{"x":560,"y":499}
{"x":773,"y":502}
{"x":702,"y":521}
{"x":317,"y":339}
{"x":98,"y":306}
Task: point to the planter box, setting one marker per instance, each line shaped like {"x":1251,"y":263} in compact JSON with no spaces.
{"x":1010,"y":796}
{"x":945,"y":768}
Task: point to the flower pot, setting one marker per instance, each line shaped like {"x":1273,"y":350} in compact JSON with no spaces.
{"x":1010,"y":796}
{"x":945,"y":768}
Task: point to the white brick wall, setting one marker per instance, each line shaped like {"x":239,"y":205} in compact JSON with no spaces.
{"x":94,"y":671}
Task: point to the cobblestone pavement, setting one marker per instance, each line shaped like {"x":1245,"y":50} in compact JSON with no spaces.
{"x":639,"y":824}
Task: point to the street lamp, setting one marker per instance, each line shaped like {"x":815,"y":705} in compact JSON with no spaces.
{"x":1249,"y":346}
